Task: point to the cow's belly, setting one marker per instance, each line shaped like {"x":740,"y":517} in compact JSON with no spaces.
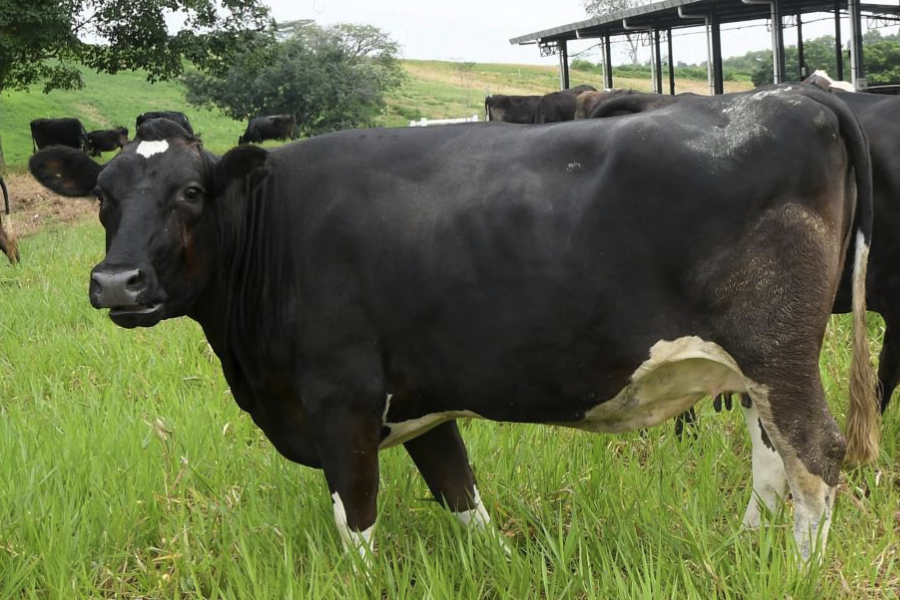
{"x":677,"y":375}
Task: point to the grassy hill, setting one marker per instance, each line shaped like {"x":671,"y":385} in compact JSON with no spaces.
{"x":433,"y":90}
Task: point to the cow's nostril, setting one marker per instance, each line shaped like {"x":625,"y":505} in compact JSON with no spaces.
{"x":135,"y":281}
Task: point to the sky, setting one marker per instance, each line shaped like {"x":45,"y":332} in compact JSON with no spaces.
{"x":479,"y":30}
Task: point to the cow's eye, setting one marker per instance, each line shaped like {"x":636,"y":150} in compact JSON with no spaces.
{"x":192,"y":194}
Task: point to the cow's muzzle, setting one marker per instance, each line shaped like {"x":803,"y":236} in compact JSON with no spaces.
{"x":127,"y":293}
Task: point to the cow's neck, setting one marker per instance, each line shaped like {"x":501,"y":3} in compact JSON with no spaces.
{"x":248,"y":305}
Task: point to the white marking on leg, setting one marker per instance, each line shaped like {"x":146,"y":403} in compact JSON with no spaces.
{"x":148,"y":149}
{"x":813,"y":504}
{"x":477,"y":515}
{"x":479,"y":518}
{"x":358,"y":541}
{"x":769,"y":478}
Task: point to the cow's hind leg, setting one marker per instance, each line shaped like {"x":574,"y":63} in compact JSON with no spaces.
{"x":796,"y":419}
{"x":441,"y":458}
{"x":889,"y":361}
{"x":769,"y":479}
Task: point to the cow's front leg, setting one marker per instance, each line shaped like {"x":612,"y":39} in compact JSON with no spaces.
{"x":441,"y":458}
{"x":347,"y":435}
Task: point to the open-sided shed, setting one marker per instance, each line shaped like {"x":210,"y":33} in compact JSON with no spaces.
{"x":661,"y":18}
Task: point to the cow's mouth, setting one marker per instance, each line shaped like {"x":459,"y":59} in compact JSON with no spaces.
{"x":139,"y":315}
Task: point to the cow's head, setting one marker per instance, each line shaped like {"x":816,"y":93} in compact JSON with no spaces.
{"x":122,"y":133}
{"x":158,"y":204}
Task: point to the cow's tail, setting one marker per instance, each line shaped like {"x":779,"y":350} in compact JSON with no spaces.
{"x":12,"y":247}
{"x":863,"y":416}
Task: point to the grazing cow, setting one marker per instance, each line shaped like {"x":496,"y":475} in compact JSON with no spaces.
{"x":274,"y":127}
{"x":612,"y":300}
{"x":511,"y":109}
{"x":171,"y":115}
{"x":57,"y":132}
{"x":106,"y":140}
{"x":7,"y":243}
{"x":556,"y":107}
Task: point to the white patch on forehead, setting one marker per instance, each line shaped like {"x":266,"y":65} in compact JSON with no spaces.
{"x":677,"y":374}
{"x":148,"y":149}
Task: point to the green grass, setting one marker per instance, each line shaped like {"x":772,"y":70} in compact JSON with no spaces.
{"x":127,"y":470}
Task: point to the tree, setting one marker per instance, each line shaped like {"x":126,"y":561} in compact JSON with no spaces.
{"x":45,"y":41}
{"x":328,"y":78}
{"x":882,"y":60}
{"x":601,"y":7}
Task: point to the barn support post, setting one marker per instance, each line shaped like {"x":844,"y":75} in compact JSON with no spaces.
{"x":562,"y":49}
{"x":838,"y":43}
{"x":778,"y":64}
{"x":671,"y":62}
{"x":710,"y":77}
{"x":778,"y":43}
{"x":801,"y":63}
{"x":658,"y":79}
{"x":716,"y":39}
{"x":607,"y":64}
{"x":857,"y":70}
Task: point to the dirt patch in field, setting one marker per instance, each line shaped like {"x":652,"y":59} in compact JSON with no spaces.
{"x":33,"y":207}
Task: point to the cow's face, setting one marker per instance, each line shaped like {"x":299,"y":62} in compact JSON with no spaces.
{"x":157,"y":205}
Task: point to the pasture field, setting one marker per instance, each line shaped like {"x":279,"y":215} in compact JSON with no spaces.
{"x":434,"y":89}
{"x":127,"y":471}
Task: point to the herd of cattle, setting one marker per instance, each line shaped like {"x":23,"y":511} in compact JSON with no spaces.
{"x":71,"y":133}
{"x":364,"y":290}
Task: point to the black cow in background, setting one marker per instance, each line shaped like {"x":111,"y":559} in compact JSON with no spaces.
{"x":273,"y":127}
{"x":559,"y":106}
{"x":106,"y":140}
{"x":172,"y":115}
{"x":57,"y":132}
{"x":510,"y":109}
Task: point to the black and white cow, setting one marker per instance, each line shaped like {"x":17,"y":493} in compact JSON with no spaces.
{"x":273,"y":127}
{"x":66,"y":131}
{"x":172,"y":115}
{"x":556,"y":107}
{"x":510,"y":109}
{"x":348,"y":282}
{"x":106,"y":140}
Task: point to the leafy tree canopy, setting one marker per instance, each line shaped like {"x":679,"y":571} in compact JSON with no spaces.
{"x":328,"y":78}
{"x":44,"y":40}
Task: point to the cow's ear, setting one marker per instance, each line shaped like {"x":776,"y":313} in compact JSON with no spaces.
{"x":244,"y":162}
{"x":66,"y":171}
